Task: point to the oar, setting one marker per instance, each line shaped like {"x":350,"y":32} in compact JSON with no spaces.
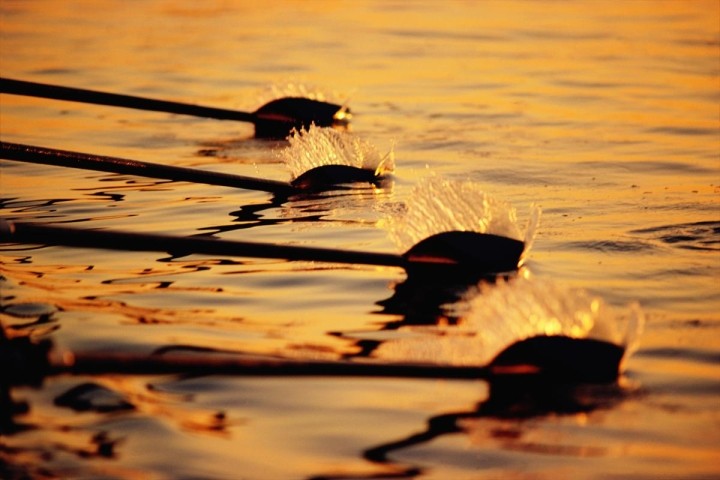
{"x":478,"y":253}
{"x":549,"y":357}
{"x":275,"y":119}
{"x":318,"y":178}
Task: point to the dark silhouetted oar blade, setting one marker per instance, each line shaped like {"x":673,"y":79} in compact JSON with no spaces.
{"x":319,"y":178}
{"x":278,"y":118}
{"x":562,"y":358}
{"x":473,"y":252}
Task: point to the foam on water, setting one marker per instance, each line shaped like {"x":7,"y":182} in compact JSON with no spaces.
{"x":317,"y":146}
{"x":495,"y":316}
{"x":442,"y":205}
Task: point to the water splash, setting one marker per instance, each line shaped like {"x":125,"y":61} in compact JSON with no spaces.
{"x":496,"y":316}
{"x":531,"y":230}
{"x":297,"y":88}
{"x":317,"y":146}
{"x":441,"y":205}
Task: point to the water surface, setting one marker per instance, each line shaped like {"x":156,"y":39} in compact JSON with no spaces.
{"x":603,"y":114}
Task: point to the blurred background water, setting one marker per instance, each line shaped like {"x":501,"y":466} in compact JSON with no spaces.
{"x":605,"y":114}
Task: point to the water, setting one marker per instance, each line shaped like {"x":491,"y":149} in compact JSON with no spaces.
{"x":605,"y":115}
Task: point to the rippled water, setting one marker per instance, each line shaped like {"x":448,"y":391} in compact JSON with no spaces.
{"x":605,"y":115}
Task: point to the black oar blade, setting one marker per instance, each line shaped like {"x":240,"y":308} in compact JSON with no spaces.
{"x":561,"y":358}
{"x":326,"y":177}
{"x":475,"y":253}
{"x":278,"y":118}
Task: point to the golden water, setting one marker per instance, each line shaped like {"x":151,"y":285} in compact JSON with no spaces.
{"x":604,"y":114}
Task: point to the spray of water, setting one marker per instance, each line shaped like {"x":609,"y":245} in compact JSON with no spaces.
{"x":317,"y":146}
{"x":441,"y":205}
{"x":495,"y":316}
{"x":531,"y":229}
{"x":298,"y":88}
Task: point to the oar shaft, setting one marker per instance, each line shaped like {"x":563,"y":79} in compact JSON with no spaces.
{"x":33,"y":89}
{"x":555,"y":357}
{"x":231,"y":365}
{"x":64,"y":158}
{"x":116,"y":240}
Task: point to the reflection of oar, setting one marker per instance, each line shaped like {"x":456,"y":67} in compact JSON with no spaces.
{"x":318,"y":178}
{"x":275,"y":119}
{"x":553,"y":357}
{"x":479,"y":253}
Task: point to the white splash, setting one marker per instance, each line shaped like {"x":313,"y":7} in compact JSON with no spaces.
{"x":441,"y":205}
{"x":531,"y":229}
{"x":317,"y":146}
{"x":502,"y":314}
{"x":298,"y":88}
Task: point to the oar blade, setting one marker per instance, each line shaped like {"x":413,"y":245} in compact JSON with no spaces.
{"x":476,"y":253}
{"x":327,"y":177}
{"x":560,"y":358}
{"x":278,"y":118}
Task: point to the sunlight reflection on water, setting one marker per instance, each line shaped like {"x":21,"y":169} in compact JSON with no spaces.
{"x":604,"y":117}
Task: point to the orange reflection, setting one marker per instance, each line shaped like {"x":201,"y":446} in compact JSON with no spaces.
{"x":607,"y":117}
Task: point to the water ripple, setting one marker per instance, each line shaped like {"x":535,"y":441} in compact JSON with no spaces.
{"x":695,"y":236}
{"x":696,"y":355}
{"x":684,"y":131}
{"x":611,"y":246}
{"x":657,"y":166}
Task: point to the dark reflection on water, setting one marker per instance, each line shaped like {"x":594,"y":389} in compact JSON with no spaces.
{"x":511,"y":403}
{"x":311,"y":208}
{"x":93,"y":397}
{"x":248,"y":216}
{"x":424,"y":300}
{"x":113,"y":197}
{"x":695,"y":236}
{"x":418,"y":301}
{"x":33,"y":206}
